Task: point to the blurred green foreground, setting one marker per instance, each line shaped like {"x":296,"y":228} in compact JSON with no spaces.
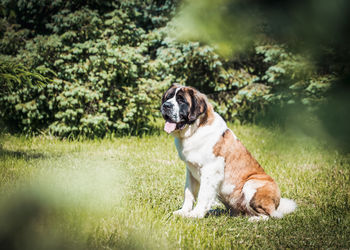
{"x":120,"y":194}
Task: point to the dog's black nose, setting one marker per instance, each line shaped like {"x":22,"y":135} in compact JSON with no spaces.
{"x":167,"y":105}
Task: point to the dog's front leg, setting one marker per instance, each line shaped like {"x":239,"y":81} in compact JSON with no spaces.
{"x":211,"y":178}
{"x":190,"y":194}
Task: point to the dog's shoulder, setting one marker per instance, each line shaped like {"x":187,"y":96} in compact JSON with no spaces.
{"x":199,"y":147}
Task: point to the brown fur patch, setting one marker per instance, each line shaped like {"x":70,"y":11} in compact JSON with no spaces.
{"x":241,"y":167}
{"x":208,"y":117}
{"x":199,"y":106}
{"x":266,"y":199}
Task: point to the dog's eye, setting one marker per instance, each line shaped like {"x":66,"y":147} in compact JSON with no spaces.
{"x":180,"y":99}
{"x":171,"y":95}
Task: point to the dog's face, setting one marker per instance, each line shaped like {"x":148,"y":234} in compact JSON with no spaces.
{"x":181,"y":106}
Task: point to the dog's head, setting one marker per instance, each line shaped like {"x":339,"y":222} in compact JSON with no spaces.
{"x":182,"y":106}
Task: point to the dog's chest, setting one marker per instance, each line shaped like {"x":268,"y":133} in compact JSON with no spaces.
{"x":194,"y":152}
{"x":197,"y":153}
{"x":193,"y":156}
{"x":198,"y":149}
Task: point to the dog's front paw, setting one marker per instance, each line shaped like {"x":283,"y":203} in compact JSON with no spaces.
{"x":258,"y":218}
{"x":181,"y":212}
{"x":196,"y":214}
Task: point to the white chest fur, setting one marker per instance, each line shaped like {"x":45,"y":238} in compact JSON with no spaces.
{"x":197,"y":150}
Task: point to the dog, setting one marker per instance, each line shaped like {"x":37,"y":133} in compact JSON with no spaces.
{"x":218,"y":166}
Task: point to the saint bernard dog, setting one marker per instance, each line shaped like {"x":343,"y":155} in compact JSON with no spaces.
{"x":218,"y":166}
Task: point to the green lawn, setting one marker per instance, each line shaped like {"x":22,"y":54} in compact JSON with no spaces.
{"x":120,"y":194}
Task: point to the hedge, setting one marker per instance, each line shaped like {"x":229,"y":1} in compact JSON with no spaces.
{"x":100,"y":67}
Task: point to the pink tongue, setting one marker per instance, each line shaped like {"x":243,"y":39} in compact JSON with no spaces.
{"x":169,"y":127}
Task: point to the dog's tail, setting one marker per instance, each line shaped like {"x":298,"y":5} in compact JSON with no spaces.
{"x":286,"y":206}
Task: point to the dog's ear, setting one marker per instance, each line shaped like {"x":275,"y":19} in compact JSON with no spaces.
{"x":198,"y":105}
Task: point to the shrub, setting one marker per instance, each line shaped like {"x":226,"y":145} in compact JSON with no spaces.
{"x":291,"y":78}
{"x":106,"y":81}
{"x":104,"y":66}
{"x":22,"y":97}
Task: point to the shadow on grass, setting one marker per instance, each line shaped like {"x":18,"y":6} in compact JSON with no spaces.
{"x":217,"y":212}
{"x":19,"y":154}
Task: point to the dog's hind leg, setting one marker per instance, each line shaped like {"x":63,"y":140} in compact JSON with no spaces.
{"x":262,"y":198}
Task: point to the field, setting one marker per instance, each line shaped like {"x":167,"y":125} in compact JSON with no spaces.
{"x":120,"y":193}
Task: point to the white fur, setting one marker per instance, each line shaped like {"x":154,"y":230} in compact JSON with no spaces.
{"x":227,"y":188}
{"x":176,"y":110}
{"x":249,"y":189}
{"x":286,"y":206}
{"x":190,"y":194}
{"x":206,"y":168}
{"x":258,"y":218}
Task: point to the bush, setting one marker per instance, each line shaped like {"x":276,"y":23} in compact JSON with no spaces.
{"x":113,"y":60}
{"x":106,"y":81}
{"x":23,"y":105}
{"x":292,"y":79}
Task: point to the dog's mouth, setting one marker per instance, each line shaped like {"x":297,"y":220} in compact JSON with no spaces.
{"x":171,"y":126}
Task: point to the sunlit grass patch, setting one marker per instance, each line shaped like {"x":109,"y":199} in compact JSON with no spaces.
{"x":120,"y":194}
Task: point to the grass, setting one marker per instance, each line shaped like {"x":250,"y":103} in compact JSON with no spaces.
{"x":120,"y":194}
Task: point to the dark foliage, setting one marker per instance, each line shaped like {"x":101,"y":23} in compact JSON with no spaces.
{"x":101,"y":67}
